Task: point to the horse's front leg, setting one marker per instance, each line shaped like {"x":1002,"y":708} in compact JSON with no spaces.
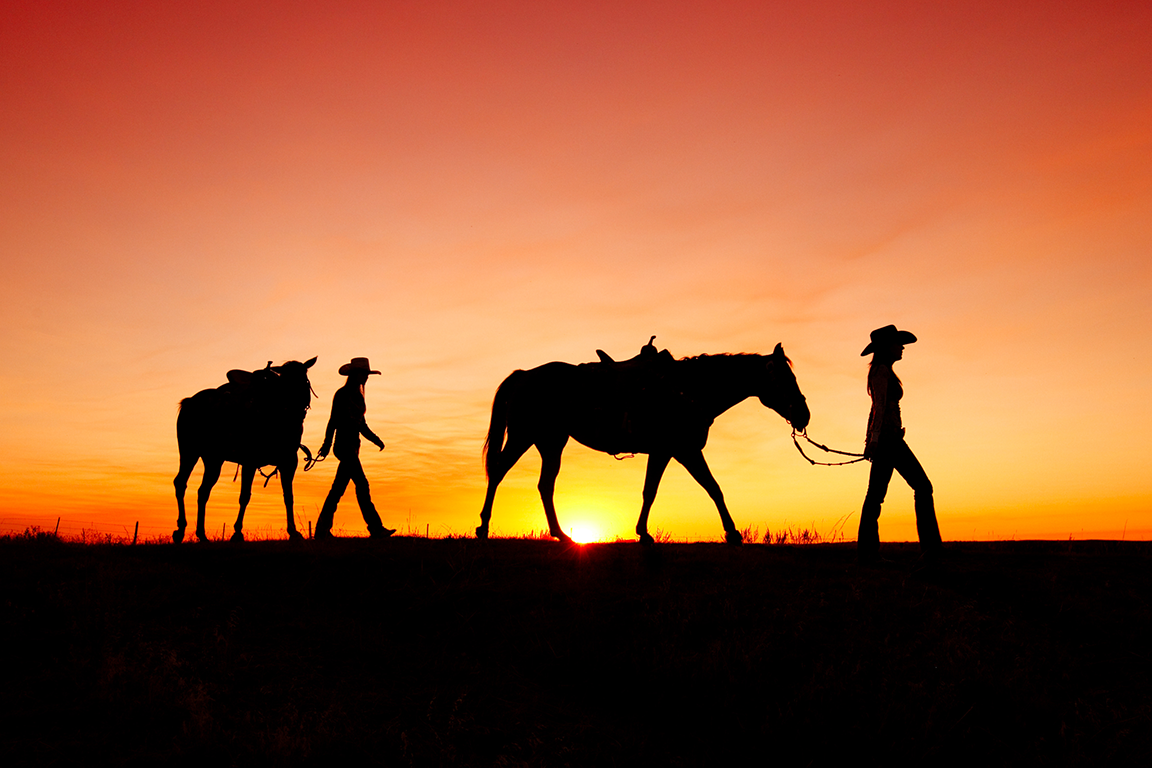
{"x":694,"y":462}
{"x":247,"y":474}
{"x":657,"y":463}
{"x":287,"y":473}
{"x":549,"y":468}
{"x":211,"y":475}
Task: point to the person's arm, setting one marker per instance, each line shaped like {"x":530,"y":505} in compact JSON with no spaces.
{"x":330,"y":432}
{"x":369,"y":434}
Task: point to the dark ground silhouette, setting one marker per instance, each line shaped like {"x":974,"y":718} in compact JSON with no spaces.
{"x":650,"y":404}
{"x":255,"y":420}
{"x":514,"y":652}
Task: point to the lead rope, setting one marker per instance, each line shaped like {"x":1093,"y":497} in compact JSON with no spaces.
{"x":804,"y":434}
{"x":310,"y":462}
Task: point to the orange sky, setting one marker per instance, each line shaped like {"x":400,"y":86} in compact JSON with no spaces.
{"x":456,"y":190}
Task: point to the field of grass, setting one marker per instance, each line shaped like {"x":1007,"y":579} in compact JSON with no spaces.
{"x":522,"y":652}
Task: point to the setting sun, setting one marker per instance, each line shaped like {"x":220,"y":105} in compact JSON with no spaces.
{"x":584,"y":533}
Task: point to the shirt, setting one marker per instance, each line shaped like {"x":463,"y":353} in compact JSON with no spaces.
{"x":884,"y":422}
{"x":347,"y":422}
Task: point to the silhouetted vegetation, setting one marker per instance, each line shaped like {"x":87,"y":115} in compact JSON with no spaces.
{"x":522,"y":652}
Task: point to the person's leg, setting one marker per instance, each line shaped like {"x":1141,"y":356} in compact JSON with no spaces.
{"x":364,"y":498}
{"x":868,"y":538}
{"x":927,"y":528}
{"x":328,"y":511}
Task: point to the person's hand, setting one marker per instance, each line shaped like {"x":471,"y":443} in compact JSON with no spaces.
{"x":868,"y":451}
{"x":381,"y":444}
{"x":324,"y":451}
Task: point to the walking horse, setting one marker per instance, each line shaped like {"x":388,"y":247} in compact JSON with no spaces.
{"x":651,"y":404}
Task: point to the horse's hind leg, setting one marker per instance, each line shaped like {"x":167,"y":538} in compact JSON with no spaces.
{"x":497,"y":469}
{"x":698,"y":468}
{"x":247,"y":474}
{"x":187,"y":464}
{"x":657,"y":463}
{"x":549,"y":468}
{"x":211,"y":475}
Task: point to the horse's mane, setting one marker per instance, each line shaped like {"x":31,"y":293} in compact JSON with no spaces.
{"x":699,"y":368}
{"x":707,"y":360}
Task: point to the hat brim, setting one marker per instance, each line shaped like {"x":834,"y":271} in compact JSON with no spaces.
{"x":901,"y":337}
{"x":346,"y":370}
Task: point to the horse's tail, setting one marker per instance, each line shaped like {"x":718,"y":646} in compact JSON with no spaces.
{"x":498,"y":426}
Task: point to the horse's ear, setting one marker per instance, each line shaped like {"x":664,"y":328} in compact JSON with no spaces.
{"x":310,"y":363}
{"x":779,"y":351}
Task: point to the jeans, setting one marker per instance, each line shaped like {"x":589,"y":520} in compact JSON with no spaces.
{"x":349,"y":469}
{"x":896,"y":455}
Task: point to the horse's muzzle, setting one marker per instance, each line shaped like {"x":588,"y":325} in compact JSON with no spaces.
{"x":798,"y":416}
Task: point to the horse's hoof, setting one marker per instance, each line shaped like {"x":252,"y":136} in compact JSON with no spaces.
{"x":201,"y":537}
{"x":237,"y":538}
{"x":295,"y":536}
{"x":482,"y":532}
{"x":177,"y":535}
{"x":564,"y":539}
{"x":646,"y":539}
{"x":734,"y":538}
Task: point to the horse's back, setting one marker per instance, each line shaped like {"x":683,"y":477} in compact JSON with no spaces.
{"x":599,"y":405}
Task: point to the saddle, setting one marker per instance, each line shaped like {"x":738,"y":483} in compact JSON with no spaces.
{"x":241,"y":379}
{"x":647,"y":358}
{"x":245,"y":388}
{"x":636,"y":393}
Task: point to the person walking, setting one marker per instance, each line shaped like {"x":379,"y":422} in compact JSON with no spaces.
{"x":345,"y":426}
{"x":885,"y":447}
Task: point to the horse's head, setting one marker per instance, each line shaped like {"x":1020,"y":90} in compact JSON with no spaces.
{"x":781,"y":393}
{"x":292,"y":378}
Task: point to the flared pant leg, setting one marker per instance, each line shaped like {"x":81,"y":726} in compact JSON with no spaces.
{"x":349,"y":469}
{"x":898,"y":457}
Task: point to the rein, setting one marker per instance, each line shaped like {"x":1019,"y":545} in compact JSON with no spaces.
{"x":826,"y":449}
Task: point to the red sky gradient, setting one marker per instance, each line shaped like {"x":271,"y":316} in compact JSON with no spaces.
{"x":456,"y":190}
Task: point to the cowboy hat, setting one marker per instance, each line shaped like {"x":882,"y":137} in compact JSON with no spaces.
{"x":357,"y":364}
{"x":885,"y":336}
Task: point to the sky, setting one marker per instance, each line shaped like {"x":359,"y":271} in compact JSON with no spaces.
{"x":456,"y":190}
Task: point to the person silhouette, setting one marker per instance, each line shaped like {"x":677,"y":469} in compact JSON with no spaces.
{"x":345,"y":426}
{"x":885,"y":447}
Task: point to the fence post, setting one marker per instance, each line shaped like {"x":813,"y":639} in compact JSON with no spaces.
{"x":56,"y":533}
{"x":309,"y":529}
{"x":135,"y":532}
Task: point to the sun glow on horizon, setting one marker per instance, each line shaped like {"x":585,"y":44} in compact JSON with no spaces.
{"x":584,"y":532}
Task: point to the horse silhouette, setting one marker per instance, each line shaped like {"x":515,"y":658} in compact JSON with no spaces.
{"x":255,"y":420}
{"x":651,"y":404}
